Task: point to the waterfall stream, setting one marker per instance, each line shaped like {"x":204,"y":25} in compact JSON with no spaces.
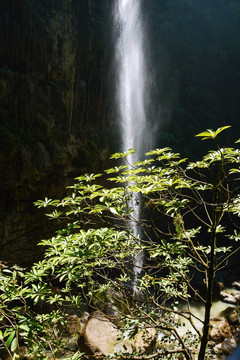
{"x":131,"y":92}
{"x":131,"y":71}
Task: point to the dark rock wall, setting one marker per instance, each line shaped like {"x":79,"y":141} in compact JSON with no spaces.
{"x":202,"y":39}
{"x":57,"y":117}
{"x":54,"y":110}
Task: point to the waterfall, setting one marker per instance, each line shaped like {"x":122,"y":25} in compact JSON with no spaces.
{"x":131,"y":92}
{"x":131,"y":75}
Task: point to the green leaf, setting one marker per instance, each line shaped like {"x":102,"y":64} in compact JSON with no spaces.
{"x":123,"y":155}
{"x":164,"y":242}
{"x":24,"y":327}
{"x":55,"y":214}
{"x":211,"y":134}
{"x":116,"y":169}
{"x":113,"y":210}
{"x":10,"y":338}
{"x":88,"y":177}
{"x":157,"y":151}
{"x":233,"y":171}
{"x":14,"y":344}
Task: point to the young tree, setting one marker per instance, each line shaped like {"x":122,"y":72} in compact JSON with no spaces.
{"x":183,"y":224}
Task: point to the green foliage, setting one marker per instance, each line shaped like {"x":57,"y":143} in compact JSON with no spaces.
{"x":178,"y":227}
{"x":20,"y":324}
{"x":210,"y":134}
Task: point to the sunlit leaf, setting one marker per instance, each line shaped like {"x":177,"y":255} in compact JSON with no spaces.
{"x":10,"y":338}
{"x":14,"y":344}
{"x":211,"y":134}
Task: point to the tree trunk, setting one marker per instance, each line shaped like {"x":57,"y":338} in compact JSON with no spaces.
{"x":209,"y":281}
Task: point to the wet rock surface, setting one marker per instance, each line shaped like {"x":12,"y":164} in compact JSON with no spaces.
{"x":231,"y":314}
{"x":99,"y":335}
{"x":233,"y":298}
{"x":226,"y":330}
{"x":219,"y":329}
{"x":53,"y":111}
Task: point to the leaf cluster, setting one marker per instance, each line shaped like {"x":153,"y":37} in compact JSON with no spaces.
{"x":165,"y":209}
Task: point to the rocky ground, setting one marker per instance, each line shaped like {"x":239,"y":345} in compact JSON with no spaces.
{"x":95,"y":335}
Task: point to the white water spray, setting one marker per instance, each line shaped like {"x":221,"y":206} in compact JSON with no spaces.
{"x":132,"y":75}
{"x":131,"y":94}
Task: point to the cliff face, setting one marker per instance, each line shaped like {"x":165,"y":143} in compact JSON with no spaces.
{"x":53,"y":109}
{"x":57,"y":117}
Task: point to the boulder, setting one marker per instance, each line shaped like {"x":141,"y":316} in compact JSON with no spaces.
{"x":124,"y":346}
{"x":142,"y":342}
{"x":236,"y":333}
{"x":219,"y":329}
{"x":228,"y":346}
{"x":144,"y":339}
{"x":223,"y":294}
{"x":74,"y":327}
{"x":236,"y":295}
{"x":231,"y":315}
{"x":236,"y":285}
{"x":99,"y":335}
{"x":70,"y":333}
{"x":228,"y":298}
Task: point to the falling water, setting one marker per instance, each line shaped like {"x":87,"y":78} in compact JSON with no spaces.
{"x":131,"y":90}
{"x":131,"y":67}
